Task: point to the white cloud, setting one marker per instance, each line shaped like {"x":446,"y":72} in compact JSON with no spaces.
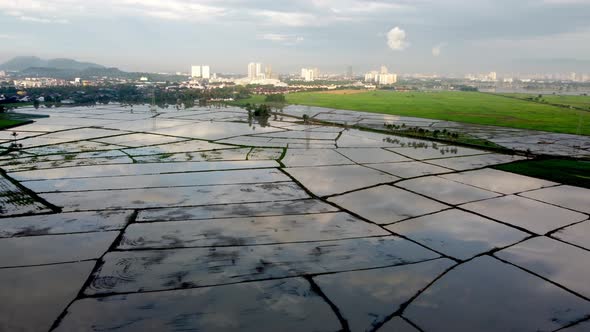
{"x":281,"y":38}
{"x":292,"y":19}
{"x":300,"y":13}
{"x":396,"y":39}
{"x":437,"y":49}
{"x":359,"y":5}
{"x":36,"y":19}
{"x":42,"y":19}
{"x":27,"y":5}
{"x":59,"y":11}
{"x":365,"y":7}
{"x":171,"y":9}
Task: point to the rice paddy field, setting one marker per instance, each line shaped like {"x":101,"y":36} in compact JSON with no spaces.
{"x":467,"y":107}
{"x":579,"y":101}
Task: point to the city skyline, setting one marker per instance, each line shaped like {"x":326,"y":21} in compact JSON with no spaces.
{"x":451,"y":36}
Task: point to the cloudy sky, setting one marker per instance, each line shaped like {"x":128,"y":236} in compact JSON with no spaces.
{"x":443,"y":36}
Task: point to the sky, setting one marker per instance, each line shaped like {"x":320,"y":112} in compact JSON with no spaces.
{"x":419,"y":36}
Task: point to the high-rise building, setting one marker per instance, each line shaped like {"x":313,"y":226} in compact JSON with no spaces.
{"x":255,"y":71}
{"x":309,"y":74}
{"x":251,"y":70}
{"x":268,"y":72}
{"x":385,"y":79}
{"x":201,"y":72}
{"x":196,"y":71}
{"x":372,"y":76}
{"x":493,"y":76}
{"x":206,"y":72}
{"x":316,"y":73}
{"x":381,"y":77}
{"x":349,"y":72}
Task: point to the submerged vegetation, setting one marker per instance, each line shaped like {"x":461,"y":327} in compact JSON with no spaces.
{"x":259,"y":113}
{"x":440,"y":135}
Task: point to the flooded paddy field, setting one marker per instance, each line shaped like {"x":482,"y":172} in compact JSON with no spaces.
{"x":123,"y":219}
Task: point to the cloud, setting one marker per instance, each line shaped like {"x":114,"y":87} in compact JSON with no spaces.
{"x":59,"y":11}
{"x":396,"y":39}
{"x":477,"y":32}
{"x":552,"y":45}
{"x":171,"y":9}
{"x":567,"y":2}
{"x":33,"y":11}
{"x":34,"y":17}
{"x":292,"y":19}
{"x":365,"y":7}
{"x":42,"y":19}
{"x":298,"y":13}
{"x":437,"y":49}
{"x":281,"y":38}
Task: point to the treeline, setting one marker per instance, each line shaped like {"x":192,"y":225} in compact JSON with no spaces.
{"x":466,"y":88}
{"x":127,"y":94}
{"x":93,"y":73}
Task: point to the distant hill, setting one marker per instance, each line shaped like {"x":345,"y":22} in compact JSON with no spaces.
{"x":21,"y":63}
{"x":70,"y":74}
{"x":68,"y":69}
{"x":93,"y":73}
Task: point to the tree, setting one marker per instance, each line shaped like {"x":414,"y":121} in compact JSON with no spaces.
{"x":275,"y":98}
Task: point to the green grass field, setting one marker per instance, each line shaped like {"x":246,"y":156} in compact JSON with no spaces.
{"x":10,"y":119}
{"x":582,"y":102}
{"x":4,"y":123}
{"x":467,"y":107}
{"x":572,"y":172}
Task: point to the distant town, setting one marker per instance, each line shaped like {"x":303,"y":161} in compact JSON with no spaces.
{"x":16,"y":82}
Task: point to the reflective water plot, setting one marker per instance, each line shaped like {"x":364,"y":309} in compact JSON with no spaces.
{"x":119,"y":219}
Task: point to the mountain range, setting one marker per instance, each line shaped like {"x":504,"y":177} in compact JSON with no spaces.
{"x":21,"y":63}
{"x":68,"y":69}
